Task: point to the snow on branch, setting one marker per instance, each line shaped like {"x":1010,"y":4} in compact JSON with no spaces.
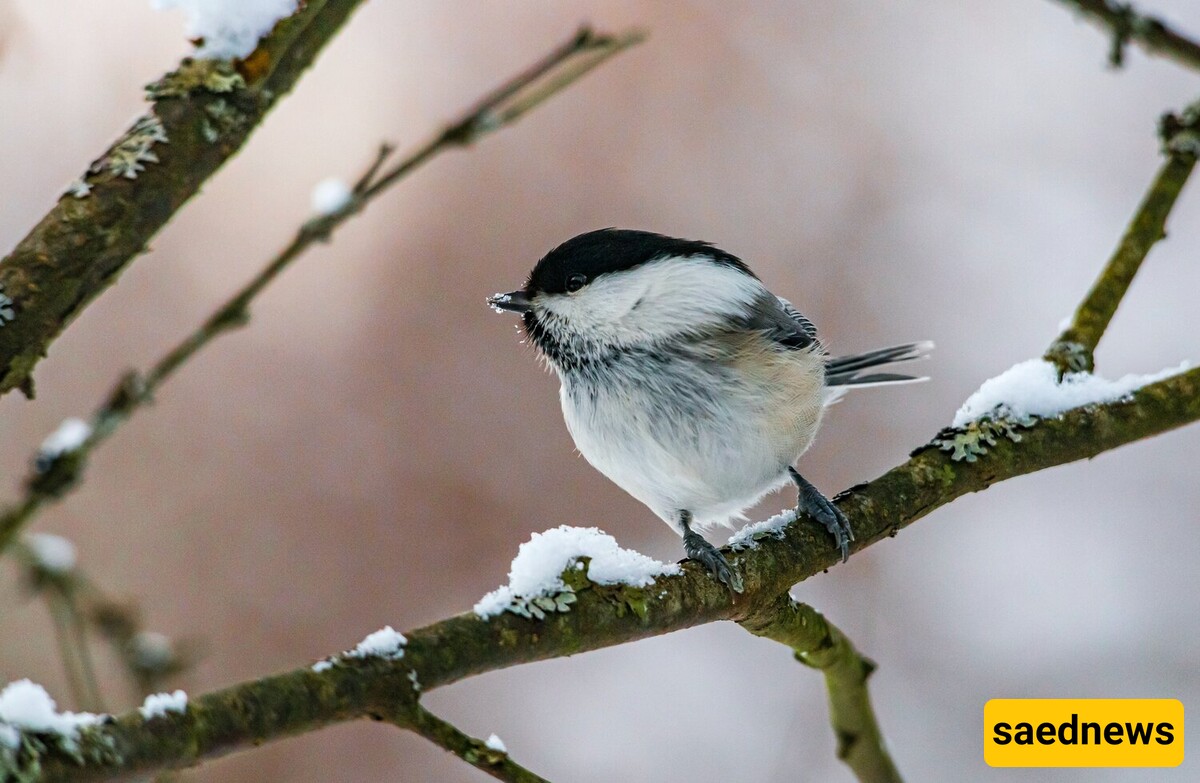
{"x":1033,"y":388}
{"x":536,"y":585}
{"x":229,"y":28}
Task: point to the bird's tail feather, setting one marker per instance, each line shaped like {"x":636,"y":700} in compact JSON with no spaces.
{"x":847,"y":370}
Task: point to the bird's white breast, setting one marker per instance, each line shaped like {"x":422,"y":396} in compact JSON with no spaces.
{"x":708,"y":428}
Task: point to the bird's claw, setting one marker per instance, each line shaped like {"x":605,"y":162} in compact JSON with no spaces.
{"x":829,"y":515}
{"x":710,"y":557}
{"x":820,"y":508}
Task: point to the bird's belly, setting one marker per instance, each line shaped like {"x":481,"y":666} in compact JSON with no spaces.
{"x":695,"y":440}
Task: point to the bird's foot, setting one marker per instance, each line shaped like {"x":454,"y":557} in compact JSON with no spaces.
{"x":819,"y":507}
{"x":710,"y":557}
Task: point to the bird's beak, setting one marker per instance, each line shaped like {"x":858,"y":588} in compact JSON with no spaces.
{"x":513,"y":302}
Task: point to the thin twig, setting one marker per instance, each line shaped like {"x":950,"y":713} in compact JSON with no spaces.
{"x":83,"y":652}
{"x":816,"y":642}
{"x":475,"y":752}
{"x":1124,"y":24}
{"x":508,"y":103}
{"x":494,"y":112}
{"x":77,"y":604}
{"x":1074,"y":349}
{"x":68,"y":651}
{"x":58,"y":587}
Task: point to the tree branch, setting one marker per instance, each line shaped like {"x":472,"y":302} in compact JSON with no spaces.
{"x":818,"y":643}
{"x":52,"y":480}
{"x":201,"y":115}
{"x":451,"y":650}
{"x":1125,"y":25}
{"x":1074,"y":349}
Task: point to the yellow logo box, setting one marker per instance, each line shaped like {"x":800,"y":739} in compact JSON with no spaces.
{"x":1083,"y":733}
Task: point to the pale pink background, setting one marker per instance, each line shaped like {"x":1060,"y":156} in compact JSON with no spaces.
{"x":375,"y":446}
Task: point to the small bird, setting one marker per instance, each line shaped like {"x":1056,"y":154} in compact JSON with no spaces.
{"x":685,"y":381}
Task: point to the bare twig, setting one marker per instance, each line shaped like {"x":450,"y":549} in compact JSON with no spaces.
{"x":55,"y":582}
{"x":77,"y":604}
{"x":818,"y":643}
{"x":73,"y":650}
{"x":501,"y":108}
{"x":475,"y":752}
{"x":1124,"y":24}
{"x":1074,"y":349}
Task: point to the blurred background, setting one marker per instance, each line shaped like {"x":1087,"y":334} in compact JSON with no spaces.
{"x":375,"y":446}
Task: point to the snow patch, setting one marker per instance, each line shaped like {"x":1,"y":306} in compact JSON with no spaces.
{"x":53,"y":554}
{"x":331,"y":196}
{"x":157,"y":705}
{"x":69,"y":436}
{"x":384,"y":643}
{"x":229,"y":28}
{"x":536,"y":570}
{"x":7,"y":313}
{"x":746,"y":538}
{"x":1032,"y":388}
{"x":495,"y":743}
{"x":9,"y":737}
{"x":25,"y":705}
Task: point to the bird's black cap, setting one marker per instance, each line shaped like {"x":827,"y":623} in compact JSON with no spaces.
{"x":614,"y":250}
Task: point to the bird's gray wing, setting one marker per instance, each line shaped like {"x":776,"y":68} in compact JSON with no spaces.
{"x":784,"y":324}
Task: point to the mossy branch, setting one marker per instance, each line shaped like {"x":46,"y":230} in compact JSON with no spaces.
{"x":584,"y":51}
{"x":1074,"y":349}
{"x":451,"y":650}
{"x":200,"y":116}
{"x":1125,"y":24}
{"x":816,"y":642}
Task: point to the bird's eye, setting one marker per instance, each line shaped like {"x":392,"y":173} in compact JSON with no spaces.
{"x":576,"y":281}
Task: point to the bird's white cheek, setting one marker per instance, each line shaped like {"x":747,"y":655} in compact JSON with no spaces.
{"x":598,"y":309}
